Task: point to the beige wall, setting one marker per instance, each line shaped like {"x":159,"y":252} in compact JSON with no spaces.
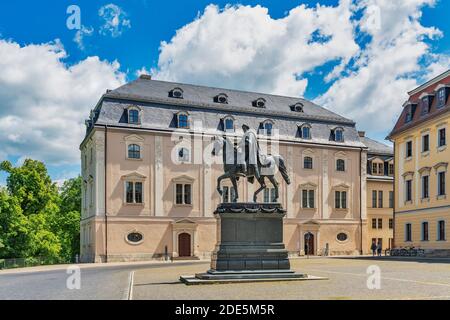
{"x":385,"y":213}
{"x":156,"y":218}
{"x":419,"y":210}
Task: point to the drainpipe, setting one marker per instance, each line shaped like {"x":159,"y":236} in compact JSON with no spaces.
{"x":360,"y":202}
{"x":394,"y":200}
{"x":106,"y":202}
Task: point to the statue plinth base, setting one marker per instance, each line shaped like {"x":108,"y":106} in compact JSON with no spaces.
{"x":250,"y":246}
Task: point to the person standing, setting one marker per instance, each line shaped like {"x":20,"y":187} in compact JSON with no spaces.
{"x":373,"y":247}
{"x":379,"y":248}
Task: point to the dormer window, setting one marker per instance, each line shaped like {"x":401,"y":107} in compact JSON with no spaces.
{"x":298,"y":107}
{"x":221,"y":98}
{"x":176,"y":93}
{"x":228,"y":124}
{"x":425,"y":105}
{"x":410,"y":109}
{"x":441,"y":96}
{"x":267,"y":127}
{"x":134,"y":115}
{"x":305,"y":131}
{"x":337,"y":135}
{"x":183,"y":120}
{"x":259,"y":103}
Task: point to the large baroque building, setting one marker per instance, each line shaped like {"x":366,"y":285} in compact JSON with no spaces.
{"x":149,"y":193}
{"x":422,"y":205}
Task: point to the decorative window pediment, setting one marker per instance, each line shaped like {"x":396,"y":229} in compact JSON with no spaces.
{"x":308,"y":151}
{"x":183,"y":179}
{"x":341,"y":186}
{"x":308,"y":185}
{"x":133,"y":137}
{"x":408,"y":174}
{"x":134,"y":176}
{"x":424,"y":170}
{"x":441,"y":166}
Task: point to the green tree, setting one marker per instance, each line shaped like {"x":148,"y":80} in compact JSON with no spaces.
{"x":69,"y":217}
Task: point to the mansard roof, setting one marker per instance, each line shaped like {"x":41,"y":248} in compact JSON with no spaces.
{"x":159,"y":111}
{"x":376,"y":147}
{"x":146,"y":90}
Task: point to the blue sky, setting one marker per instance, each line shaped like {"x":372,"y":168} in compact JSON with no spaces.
{"x":144,"y":24}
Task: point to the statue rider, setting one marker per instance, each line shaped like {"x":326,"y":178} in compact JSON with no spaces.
{"x":249,"y":153}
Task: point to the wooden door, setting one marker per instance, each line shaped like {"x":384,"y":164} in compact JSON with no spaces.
{"x":309,"y":244}
{"x":184,"y":245}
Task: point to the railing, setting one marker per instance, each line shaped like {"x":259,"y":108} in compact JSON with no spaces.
{"x":405,"y":252}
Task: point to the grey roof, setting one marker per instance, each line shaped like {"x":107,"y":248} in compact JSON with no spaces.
{"x":157,"y":91}
{"x":158,"y":111}
{"x":376,"y":147}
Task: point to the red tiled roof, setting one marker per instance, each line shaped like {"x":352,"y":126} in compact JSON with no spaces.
{"x":418,"y":117}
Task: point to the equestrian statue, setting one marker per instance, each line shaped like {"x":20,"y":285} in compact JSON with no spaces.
{"x":247,"y":161}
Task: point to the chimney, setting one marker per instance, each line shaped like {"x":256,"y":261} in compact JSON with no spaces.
{"x":145,"y":76}
{"x":362,"y":134}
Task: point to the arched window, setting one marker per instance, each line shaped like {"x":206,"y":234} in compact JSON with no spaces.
{"x":133,"y":116}
{"x":183,"y":120}
{"x":183,"y":155}
{"x":134,"y":151}
{"x":340,"y":165}
{"x":229,"y":124}
{"x":308,"y":163}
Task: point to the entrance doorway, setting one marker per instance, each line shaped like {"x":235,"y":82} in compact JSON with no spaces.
{"x":184,"y":245}
{"x":309,"y":244}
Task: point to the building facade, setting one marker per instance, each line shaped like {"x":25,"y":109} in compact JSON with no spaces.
{"x":380,"y":193}
{"x":149,"y":187}
{"x":422,"y":207}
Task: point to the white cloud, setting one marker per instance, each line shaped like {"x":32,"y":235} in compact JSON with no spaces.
{"x":115,"y":20}
{"x":142,"y":71}
{"x":390,"y":66}
{"x":380,"y":48}
{"x":81,"y":34}
{"x":243,"y":47}
{"x":43,"y":102}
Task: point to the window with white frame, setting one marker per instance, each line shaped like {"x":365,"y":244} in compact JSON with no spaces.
{"x":228,"y":194}
{"x":134,"y":151}
{"x":441,"y":230}
{"x":408,"y":232}
{"x":337,"y":135}
{"x":133,"y":192}
{"x":340,"y":198}
{"x":409,"y":149}
{"x":425,"y":187}
{"x":267,"y":127}
{"x":228,"y":124}
{"x":305,"y":131}
{"x":307,"y":162}
{"x":441,"y":97}
{"x":269,"y":194}
{"x":340,"y":165}
{"x":308,"y":198}
{"x":183,"y":193}
{"x":442,"y":137}
{"x":408,"y":190}
{"x":425,"y":143}
{"x":441,"y":183}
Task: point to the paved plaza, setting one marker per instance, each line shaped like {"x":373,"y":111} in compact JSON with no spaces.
{"x":347,"y":279}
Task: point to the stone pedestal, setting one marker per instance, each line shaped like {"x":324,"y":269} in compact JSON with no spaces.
{"x":250,"y":246}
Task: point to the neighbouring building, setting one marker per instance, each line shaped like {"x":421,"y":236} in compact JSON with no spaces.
{"x":380,"y":193}
{"x":148,"y":193}
{"x":422,"y":205}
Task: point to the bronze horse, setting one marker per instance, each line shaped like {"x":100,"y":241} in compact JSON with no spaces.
{"x":234,"y":170}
